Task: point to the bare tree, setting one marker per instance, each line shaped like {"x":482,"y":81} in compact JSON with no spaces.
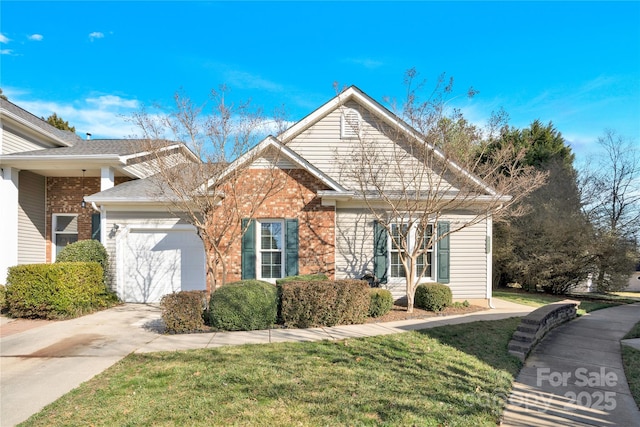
{"x":417,"y":173}
{"x":611,"y":196}
{"x":210,"y":191}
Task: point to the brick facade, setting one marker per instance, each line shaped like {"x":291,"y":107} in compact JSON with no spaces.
{"x":294,"y":195}
{"x":64,"y":196}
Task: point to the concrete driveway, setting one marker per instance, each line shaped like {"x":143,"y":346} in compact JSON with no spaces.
{"x":39,"y":365}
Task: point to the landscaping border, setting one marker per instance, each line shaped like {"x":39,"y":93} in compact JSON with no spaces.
{"x":537,"y":324}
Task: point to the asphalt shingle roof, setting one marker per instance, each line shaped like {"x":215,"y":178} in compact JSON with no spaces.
{"x":66,"y":136}
{"x":119,"y":147}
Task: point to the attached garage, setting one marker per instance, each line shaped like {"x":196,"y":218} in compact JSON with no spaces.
{"x":158,"y":261}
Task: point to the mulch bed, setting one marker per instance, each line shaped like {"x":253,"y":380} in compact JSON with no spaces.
{"x":400,"y":313}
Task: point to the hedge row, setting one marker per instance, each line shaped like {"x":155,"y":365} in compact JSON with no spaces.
{"x":316,"y":301}
{"x":57,"y":291}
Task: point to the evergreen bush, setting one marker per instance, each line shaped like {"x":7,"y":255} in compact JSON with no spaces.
{"x":182,"y":312}
{"x":433,"y":296}
{"x":57,"y":291}
{"x":381,"y":302}
{"x":243,"y":306}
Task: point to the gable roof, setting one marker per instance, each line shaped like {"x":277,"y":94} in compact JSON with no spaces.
{"x":271,"y":142}
{"x":25,"y":118}
{"x":355,"y":94}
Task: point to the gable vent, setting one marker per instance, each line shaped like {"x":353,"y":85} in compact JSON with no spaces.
{"x":350,"y":124}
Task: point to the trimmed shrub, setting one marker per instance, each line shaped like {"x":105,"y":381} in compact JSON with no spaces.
{"x":324,"y":303}
{"x":57,"y":291}
{"x":381,"y":302}
{"x":85,"y":251}
{"x":433,"y":296}
{"x":243,"y":306}
{"x":183,"y":312}
{"x":302,"y":278}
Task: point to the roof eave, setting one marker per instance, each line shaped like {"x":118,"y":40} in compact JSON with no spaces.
{"x":25,"y":123}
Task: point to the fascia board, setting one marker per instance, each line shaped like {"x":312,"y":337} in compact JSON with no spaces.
{"x":165,"y":148}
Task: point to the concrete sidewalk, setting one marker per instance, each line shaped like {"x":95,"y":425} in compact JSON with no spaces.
{"x":502,"y":310}
{"x":575,"y":376}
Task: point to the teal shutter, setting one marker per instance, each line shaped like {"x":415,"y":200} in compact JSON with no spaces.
{"x":380,"y":252}
{"x":291,"y":247}
{"x":95,"y":226}
{"x":443,"y":253}
{"x":249,"y":249}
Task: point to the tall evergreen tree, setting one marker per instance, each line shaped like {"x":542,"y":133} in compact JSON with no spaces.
{"x":548,"y":246}
{"x":58,"y":122}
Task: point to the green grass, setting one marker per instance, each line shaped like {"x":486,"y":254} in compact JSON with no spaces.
{"x":454,"y":375}
{"x":588,"y":302}
{"x":634,"y":332}
{"x":631,"y":362}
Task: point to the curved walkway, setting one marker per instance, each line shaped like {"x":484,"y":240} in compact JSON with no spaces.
{"x":575,"y":377}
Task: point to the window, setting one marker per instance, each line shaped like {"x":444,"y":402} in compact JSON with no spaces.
{"x":386,"y":262}
{"x":271,"y":249}
{"x":401,"y":234}
{"x":65,"y":231}
{"x":350,"y":124}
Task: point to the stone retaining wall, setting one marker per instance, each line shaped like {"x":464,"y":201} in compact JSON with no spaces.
{"x":536,"y":324}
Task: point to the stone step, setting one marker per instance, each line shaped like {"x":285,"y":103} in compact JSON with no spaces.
{"x":525,"y":337}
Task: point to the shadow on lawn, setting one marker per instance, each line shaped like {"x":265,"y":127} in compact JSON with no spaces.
{"x":486,"y":340}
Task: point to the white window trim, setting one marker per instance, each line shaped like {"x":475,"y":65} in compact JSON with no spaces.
{"x":54,"y":234}
{"x":412,"y":237}
{"x":259,"y":249}
{"x":346,"y":129}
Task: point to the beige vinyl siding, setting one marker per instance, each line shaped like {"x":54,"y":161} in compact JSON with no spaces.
{"x":354,"y":243}
{"x":468,"y":260}
{"x":14,"y":141}
{"x":322,"y":145}
{"x":31,"y":218}
{"x":468,"y":257}
{"x":126,"y":219}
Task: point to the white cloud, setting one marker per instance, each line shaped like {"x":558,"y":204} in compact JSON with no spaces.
{"x":107,"y":101}
{"x":96,"y":35}
{"x":102,"y":116}
{"x":6,"y":51}
{"x":36,"y":37}
{"x":3,"y":38}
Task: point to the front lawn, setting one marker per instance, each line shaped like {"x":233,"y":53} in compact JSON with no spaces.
{"x":588,"y":302}
{"x":452,"y":375}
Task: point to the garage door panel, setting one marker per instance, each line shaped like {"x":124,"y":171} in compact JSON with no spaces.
{"x":160,"y":262}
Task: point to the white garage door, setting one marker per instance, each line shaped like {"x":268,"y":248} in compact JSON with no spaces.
{"x":158,"y":262}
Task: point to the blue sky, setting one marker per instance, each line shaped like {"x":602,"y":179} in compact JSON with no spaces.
{"x":575,"y":64}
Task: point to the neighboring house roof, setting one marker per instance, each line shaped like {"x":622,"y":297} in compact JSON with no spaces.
{"x":22,"y":116}
{"x":139,"y":191}
{"x":387,"y":117}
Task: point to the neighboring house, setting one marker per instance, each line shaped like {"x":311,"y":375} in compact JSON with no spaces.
{"x":317,"y":221}
{"x":47,"y":174}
